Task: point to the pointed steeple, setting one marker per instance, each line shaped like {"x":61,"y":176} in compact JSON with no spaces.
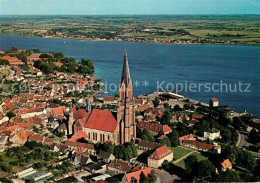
{"x":88,"y":105}
{"x":126,"y":73}
{"x":70,"y":110}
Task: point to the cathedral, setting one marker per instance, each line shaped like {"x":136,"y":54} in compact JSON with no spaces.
{"x":101,"y":125}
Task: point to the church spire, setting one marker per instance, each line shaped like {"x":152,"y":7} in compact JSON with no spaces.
{"x":70,"y":109}
{"x":88,"y":105}
{"x":126,"y":73}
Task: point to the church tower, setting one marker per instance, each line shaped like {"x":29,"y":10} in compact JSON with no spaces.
{"x":125,"y":106}
{"x":71,"y":120}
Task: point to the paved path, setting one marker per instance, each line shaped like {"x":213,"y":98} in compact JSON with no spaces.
{"x":183,"y":157}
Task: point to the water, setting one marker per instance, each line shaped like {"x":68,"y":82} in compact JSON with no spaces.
{"x":169,"y":63}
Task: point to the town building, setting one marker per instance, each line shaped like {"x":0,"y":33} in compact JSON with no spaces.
{"x":135,"y":176}
{"x":102,"y":125}
{"x":226,"y":164}
{"x":200,"y":146}
{"x":213,"y":102}
{"x":160,"y":155}
{"x":212,"y":134}
{"x":153,"y":128}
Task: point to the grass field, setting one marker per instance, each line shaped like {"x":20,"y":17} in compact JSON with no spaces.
{"x":179,"y":152}
{"x":199,"y":156}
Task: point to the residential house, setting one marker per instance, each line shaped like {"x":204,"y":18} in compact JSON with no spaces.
{"x":135,"y":176}
{"x":106,"y":156}
{"x":119,"y":166}
{"x":146,"y":145}
{"x":186,"y":137}
{"x":96,"y":167}
{"x":226,"y":164}
{"x":213,"y":102}
{"x":109,"y":100}
{"x":153,"y":128}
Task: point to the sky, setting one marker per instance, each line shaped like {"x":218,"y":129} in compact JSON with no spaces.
{"x":129,"y":7}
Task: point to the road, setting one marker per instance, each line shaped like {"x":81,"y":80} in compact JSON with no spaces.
{"x":241,"y":143}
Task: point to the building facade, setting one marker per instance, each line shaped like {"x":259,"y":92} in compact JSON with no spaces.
{"x":101,"y":125}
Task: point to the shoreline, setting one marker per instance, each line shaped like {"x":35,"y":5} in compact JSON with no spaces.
{"x":93,"y":40}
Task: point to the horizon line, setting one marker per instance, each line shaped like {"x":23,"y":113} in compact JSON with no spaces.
{"x":117,"y":14}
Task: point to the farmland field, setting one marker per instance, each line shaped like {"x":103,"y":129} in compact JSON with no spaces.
{"x":176,"y":29}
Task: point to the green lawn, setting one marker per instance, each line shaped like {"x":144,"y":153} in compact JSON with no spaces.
{"x":199,"y":156}
{"x":179,"y":152}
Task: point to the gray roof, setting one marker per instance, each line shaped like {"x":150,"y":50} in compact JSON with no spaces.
{"x":104,"y":155}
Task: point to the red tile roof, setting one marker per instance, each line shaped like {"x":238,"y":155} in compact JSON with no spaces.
{"x":138,"y":101}
{"x":143,"y":107}
{"x":36,"y":120}
{"x":102,"y":120}
{"x":197,"y":116}
{"x":161,"y":152}
{"x":154,"y":127}
{"x":226,"y":164}
{"x":200,"y":144}
{"x":13,"y":128}
{"x":81,"y":113}
{"x":136,"y":174}
{"x":214,"y":99}
{"x":79,"y":144}
{"x":109,"y":98}
{"x":37,"y":138}
{"x":48,"y":140}
{"x":186,"y":137}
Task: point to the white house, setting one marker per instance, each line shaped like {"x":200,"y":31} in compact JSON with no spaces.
{"x":212,"y":134}
{"x":213,"y":102}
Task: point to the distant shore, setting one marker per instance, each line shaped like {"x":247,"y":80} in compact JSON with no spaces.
{"x":102,"y":40}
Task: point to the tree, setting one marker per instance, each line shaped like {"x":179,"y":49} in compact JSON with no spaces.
{"x":186,"y":106}
{"x":156,"y":102}
{"x":226,"y":135}
{"x":174,"y":138}
{"x":254,"y":136}
{"x":30,"y":181}
{"x":166,"y":118}
{"x":192,"y":107}
{"x":228,"y":176}
{"x":246,"y":160}
{"x":239,"y":124}
{"x":108,"y":147}
{"x":10,"y":114}
{"x":160,"y":133}
{"x":152,"y":177}
{"x":166,"y":141}
{"x":189,"y":162}
{"x":126,"y":151}
{"x":143,"y":178}
{"x":230,"y":152}
{"x":205,"y":168}
{"x":147,"y":136}
{"x":177,"y":108}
